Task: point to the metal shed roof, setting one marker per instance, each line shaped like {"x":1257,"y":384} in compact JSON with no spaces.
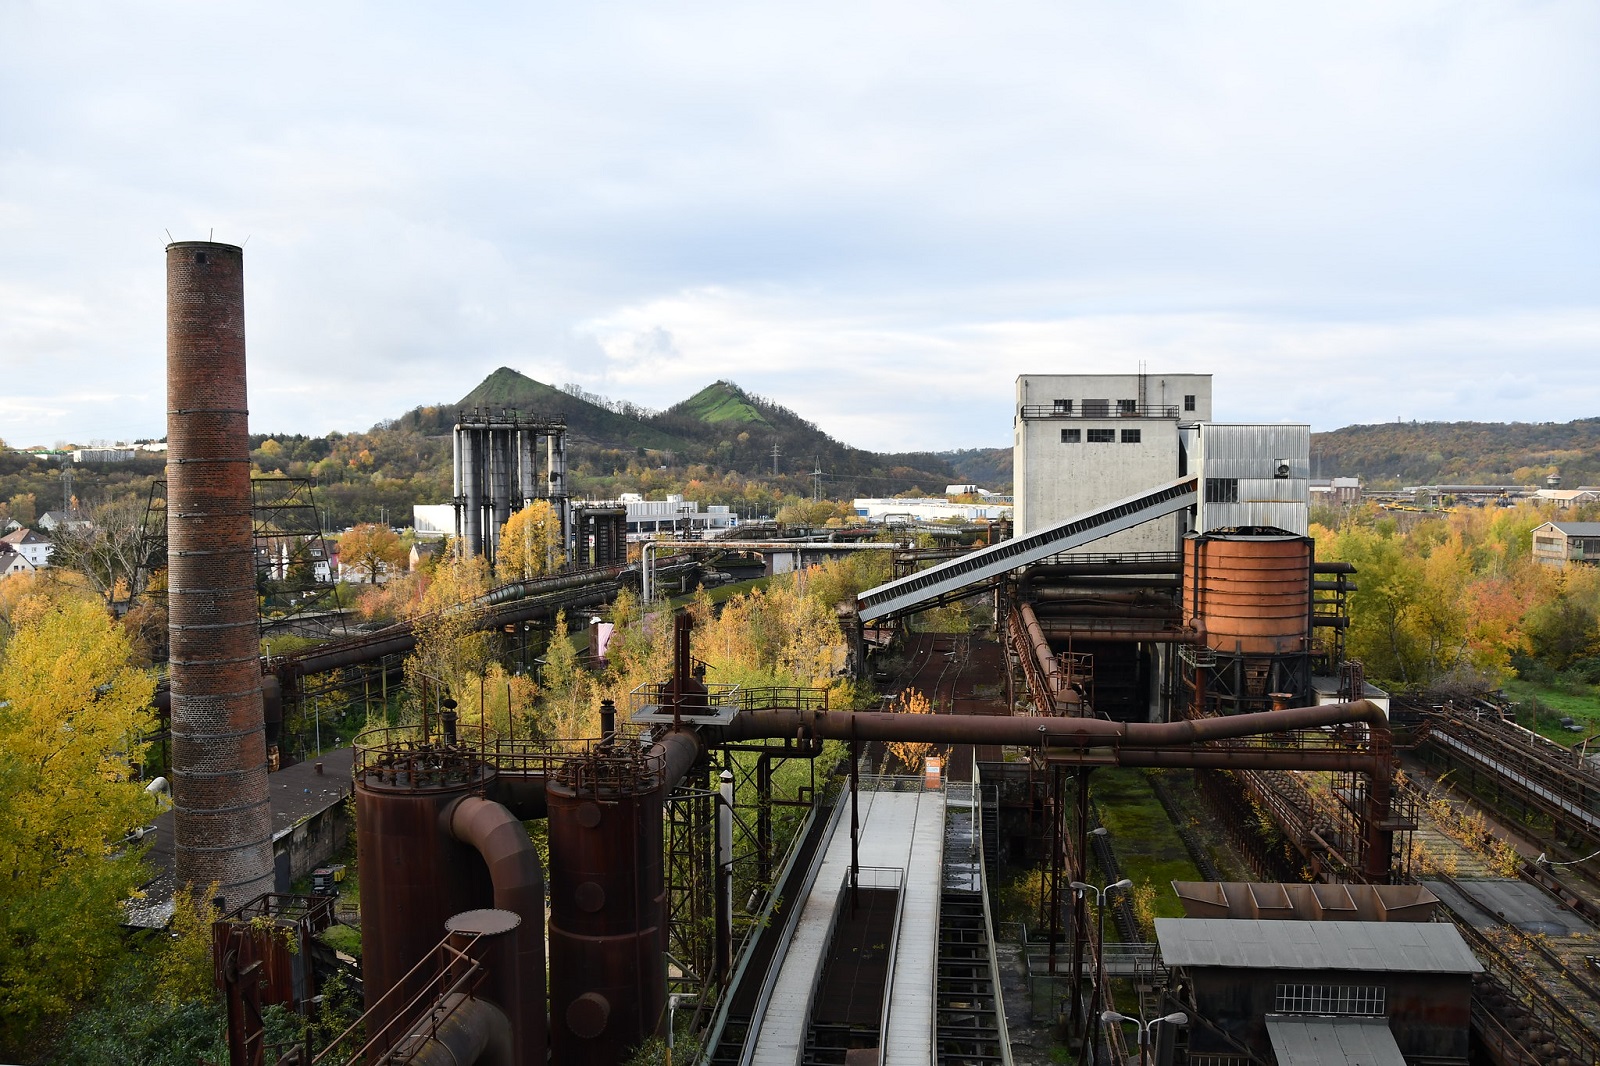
{"x":1411,"y":947}
{"x":1301,"y":1041}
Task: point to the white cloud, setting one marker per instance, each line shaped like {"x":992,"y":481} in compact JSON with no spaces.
{"x":855,"y":206}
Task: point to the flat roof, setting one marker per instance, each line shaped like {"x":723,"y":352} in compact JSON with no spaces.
{"x":1299,"y":1040}
{"x":1253,"y":944}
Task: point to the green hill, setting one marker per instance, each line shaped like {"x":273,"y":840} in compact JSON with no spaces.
{"x":719,"y":403}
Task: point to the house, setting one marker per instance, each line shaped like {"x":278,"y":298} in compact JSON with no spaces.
{"x":423,"y":550}
{"x":30,"y":545}
{"x":13,"y":562}
{"x":280,"y":558}
{"x":1560,"y":543}
{"x":51,"y":521}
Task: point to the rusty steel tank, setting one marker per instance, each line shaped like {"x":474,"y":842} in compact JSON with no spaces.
{"x":414,"y":874}
{"x":221,"y":801}
{"x":1252,"y":594}
{"x":608,"y":976}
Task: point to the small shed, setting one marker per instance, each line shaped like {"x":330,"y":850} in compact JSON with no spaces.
{"x":1415,"y":977}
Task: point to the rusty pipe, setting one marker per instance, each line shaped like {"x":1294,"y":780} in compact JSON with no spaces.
{"x":1125,"y":741}
{"x":518,"y":882}
{"x":678,"y":750}
{"x":473,"y":1032}
{"x":1042,"y":653}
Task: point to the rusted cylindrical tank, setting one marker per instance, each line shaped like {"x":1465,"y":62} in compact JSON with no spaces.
{"x":1252,"y":595}
{"x":222,"y":813}
{"x":414,"y":874}
{"x":608,"y":978}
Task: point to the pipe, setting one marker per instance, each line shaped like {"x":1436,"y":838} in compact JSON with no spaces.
{"x":518,"y":887}
{"x":1129,"y":744}
{"x":474,"y":1032}
{"x":1046,"y":657}
{"x":725,"y":877}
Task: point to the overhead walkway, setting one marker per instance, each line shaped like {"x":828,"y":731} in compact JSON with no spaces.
{"x":937,"y":583}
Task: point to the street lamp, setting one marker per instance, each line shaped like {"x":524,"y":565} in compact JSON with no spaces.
{"x":1175,"y":1018}
{"x":1083,"y":888}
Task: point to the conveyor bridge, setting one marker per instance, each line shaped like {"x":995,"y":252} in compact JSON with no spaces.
{"x":939,"y":583}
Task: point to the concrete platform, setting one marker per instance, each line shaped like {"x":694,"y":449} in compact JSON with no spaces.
{"x":899,"y":830}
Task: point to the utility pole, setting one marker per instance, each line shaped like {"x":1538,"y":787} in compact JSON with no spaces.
{"x":774,"y":458}
{"x":816,"y":482}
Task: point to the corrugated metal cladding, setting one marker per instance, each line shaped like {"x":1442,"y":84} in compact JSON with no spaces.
{"x":1300,"y":1041}
{"x":1405,"y":947}
{"x":1263,"y":474}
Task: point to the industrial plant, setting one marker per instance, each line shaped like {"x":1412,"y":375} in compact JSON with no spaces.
{"x":740,"y":869}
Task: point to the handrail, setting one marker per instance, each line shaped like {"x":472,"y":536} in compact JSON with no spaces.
{"x":988,"y":919}
{"x":894,"y":946}
{"x":752,"y":934}
{"x":448,"y":955}
{"x":770,"y":981}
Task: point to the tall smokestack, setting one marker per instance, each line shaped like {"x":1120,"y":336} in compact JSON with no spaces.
{"x":221,"y":800}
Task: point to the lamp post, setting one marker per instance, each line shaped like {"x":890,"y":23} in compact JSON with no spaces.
{"x":1084,"y":888}
{"x":1175,"y":1018}
{"x":1080,"y":926}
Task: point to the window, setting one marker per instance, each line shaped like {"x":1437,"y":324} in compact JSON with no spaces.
{"x":1063,"y":407}
{"x":1131,"y":436}
{"x":1188,"y":401}
{"x":1222,"y":490}
{"x":1102,"y":436}
{"x":1127,"y":407}
{"x":1331,"y":999}
{"x":1549,"y":543}
{"x":1097,"y":409}
{"x":1071,"y":436}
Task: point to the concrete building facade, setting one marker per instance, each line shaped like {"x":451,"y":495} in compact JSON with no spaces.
{"x":1086,"y":440}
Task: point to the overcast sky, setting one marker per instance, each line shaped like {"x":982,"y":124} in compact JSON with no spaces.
{"x":875,"y":213}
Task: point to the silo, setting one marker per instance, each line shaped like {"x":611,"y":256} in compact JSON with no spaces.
{"x":1252,"y":593}
{"x":222,"y":813}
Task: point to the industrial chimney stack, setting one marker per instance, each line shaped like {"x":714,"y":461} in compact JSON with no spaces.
{"x":219,"y":753}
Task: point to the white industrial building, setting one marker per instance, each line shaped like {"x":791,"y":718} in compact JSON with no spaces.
{"x":1087,"y":440}
{"x":927,"y":509}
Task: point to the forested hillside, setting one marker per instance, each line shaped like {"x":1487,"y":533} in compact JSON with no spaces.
{"x":1414,"y":453}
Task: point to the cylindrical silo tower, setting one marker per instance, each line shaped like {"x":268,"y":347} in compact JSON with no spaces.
{"x":223,"y":817}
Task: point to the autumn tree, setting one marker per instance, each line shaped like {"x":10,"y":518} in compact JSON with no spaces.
{"x":530,"y":543}
{"x":72,"y":715}
{"x":371,"y":548}
{"x":451,"y":650}
{"x":112,"y":552}
{"x":911,"y":754}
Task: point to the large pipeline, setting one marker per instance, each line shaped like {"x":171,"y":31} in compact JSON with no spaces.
{"x":1096,"y":741}
{"x":221,"y":802}
{"x":473,"y":1032}
{"x":1057,"y":682}
{"x":519,"y":888}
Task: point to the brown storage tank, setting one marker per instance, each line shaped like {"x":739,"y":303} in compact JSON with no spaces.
{"x":1251,"y":593}
{"x":608,"y":978}
{"x":414,"y":875}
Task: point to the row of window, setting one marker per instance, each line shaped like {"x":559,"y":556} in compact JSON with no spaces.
{"x":1331,"y":999}
{"x":1099,"y":436}
{"x":1102,"y":408}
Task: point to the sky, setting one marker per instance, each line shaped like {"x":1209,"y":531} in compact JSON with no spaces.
{"x":876,"y":213}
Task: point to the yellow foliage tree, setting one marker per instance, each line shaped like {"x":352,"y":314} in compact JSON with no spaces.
{"x":451,"y":651}
{"x":72,"y":715}
{"x":530,"y":543}
{"x":910,"y":754}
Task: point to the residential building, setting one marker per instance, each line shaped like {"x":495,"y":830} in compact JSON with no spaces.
{"x":13,"y":562}
{"x":30,"y":545}
{"x":50,"y":521}
{"x":1560,"y":543}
